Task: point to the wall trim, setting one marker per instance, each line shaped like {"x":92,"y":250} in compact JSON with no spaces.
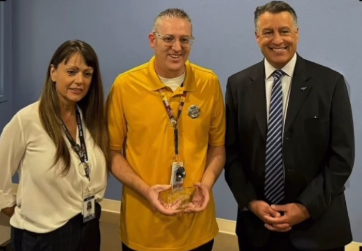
{"x":111,"y":206}
{"x":225,"y":226}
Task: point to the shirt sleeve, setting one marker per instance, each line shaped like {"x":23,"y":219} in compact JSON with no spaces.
{"x":12,"y":148}
{"x":116,"y":118}
{"x":217,"y":127}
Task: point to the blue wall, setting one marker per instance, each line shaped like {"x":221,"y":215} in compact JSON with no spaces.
{"x":6,"y":74}
{"x":330,"y":33}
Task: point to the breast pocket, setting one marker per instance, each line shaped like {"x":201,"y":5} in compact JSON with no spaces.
{"x":316,"y":128}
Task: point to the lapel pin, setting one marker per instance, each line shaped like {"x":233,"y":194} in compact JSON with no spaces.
{"x":194,"y":111}
{"x":303,"y":88}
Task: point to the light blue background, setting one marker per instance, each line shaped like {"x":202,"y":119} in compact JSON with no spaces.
{"x":330,"y":34}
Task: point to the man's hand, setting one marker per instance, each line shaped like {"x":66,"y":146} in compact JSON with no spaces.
{"x":153,"y":196}
{"x":8,"y":211}
{"x":265,"y":212}
{"x":200,"y":200}
{"x":293,"y":214}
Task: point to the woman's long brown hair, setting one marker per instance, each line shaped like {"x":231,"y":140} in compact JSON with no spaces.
{"x":92,"y":105}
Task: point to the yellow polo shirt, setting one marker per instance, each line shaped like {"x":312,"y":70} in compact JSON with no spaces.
{"x":140,"y":126}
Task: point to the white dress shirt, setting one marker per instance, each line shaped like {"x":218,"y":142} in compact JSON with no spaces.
{"x":286,"y":82}
{"x":288,"y":70}
{"x":45,"y":200}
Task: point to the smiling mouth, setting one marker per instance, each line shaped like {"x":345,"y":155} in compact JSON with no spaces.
{"x":279,"y":49}
{"x":175,"y":56}
{"x":76,"y":90}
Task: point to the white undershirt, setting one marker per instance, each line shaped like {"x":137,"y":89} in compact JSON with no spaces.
{"x":173,"y":83}
{"x":44,"y":201}
{"x":286,"y":82}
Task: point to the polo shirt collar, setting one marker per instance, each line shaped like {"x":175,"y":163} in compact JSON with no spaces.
{"x":155,"y":83}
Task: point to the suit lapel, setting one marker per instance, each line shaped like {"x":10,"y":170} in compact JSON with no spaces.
{"x":300,"y":87}
{"x":258,"y":96}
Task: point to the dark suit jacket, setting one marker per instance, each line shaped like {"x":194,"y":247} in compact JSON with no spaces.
{"x":318,"y":152}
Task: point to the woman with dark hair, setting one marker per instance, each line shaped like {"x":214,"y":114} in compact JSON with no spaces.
{"x":59,"y":146}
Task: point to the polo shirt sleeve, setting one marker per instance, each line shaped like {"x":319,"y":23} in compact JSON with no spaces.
{"x":12,"y":149}
{"x":217,"y":127}
{"x":116,"y":118}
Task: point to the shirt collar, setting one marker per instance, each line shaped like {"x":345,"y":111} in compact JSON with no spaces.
{"x":288,"y":69}
{"x":155,"y":83}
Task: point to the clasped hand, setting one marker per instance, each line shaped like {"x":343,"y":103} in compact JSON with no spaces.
{"x":279,"y":218}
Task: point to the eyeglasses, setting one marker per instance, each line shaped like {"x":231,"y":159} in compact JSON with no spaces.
{"x":185,"y":41}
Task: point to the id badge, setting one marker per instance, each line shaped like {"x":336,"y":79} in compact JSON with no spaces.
{"x":178,"y":175}
{"x":88,"y":206}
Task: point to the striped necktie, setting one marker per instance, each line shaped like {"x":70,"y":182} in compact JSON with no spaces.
{"x":274,"y":171}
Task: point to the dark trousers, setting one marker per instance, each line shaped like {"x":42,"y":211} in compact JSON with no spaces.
{"x":73,"y":236}
{"x":277,"y":242}
{"x":206,"y":247}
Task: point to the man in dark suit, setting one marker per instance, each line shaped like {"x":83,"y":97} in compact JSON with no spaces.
{"x":290,"y":144}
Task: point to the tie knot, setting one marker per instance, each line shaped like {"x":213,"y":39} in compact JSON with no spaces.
{"x":277,"y":74}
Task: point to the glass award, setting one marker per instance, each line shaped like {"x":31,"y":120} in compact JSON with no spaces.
{"x":178,"y":197}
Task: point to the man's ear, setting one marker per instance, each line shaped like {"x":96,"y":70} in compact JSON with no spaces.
{"x":152,"y":39}
{"x":256,"y":36}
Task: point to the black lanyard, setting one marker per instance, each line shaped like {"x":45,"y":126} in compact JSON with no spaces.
{"x":80,"y":150}
{"x":170,"y":113}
